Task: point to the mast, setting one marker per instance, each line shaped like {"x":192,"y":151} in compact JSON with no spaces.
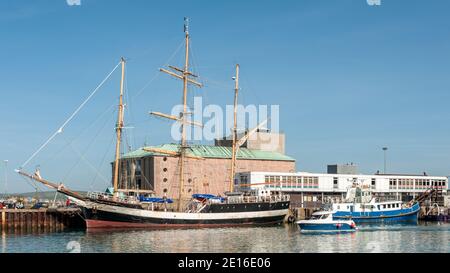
{"x":234,"y":131}
{"x":183,"y":115}
{"x":119,"y":127}
{"x":186,"y":76}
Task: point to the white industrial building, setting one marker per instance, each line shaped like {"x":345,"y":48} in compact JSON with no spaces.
{"x":312,"y":189}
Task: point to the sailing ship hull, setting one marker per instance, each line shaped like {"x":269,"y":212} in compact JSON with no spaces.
{"x":109,"y":216}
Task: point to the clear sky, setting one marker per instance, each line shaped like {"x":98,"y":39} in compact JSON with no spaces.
{"x":349,"y":78}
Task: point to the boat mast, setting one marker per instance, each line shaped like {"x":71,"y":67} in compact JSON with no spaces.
{"x":183,"y":115}
{"x":234,"y":131}
{"x":119,"y":127}
{"x":185,"y":75}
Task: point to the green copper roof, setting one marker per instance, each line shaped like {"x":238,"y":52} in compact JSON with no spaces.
{"x":208,"y":151}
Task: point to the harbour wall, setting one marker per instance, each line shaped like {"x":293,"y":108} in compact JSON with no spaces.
{"x":48,"y":219}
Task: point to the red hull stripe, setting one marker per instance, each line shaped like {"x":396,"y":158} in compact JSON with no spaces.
{"x":93,"y":224}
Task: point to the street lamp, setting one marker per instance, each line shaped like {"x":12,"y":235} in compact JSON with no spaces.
{"x":385,"y":150}
{"x":6,"y":176}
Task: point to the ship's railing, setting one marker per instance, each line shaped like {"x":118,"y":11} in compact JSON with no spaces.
{"x":386,"y":199}
{"x":109,"y":197}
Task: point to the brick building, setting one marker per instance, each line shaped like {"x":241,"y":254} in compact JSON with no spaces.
{"x":150,"y":171}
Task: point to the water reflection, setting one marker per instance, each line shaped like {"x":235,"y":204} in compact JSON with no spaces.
{"x":284,"y":239}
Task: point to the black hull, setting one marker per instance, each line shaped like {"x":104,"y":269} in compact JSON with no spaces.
{"x":227,"y":215}
{"x":246,"y":207}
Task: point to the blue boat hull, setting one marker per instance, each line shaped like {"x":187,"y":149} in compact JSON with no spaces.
{"x":401,"y":215}
{"x":326,"y":227}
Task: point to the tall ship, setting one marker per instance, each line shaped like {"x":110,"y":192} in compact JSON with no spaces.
{"x":121,"y":209}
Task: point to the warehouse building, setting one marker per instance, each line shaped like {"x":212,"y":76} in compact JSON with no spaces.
{"x":144,"y":171}
{"x":314,"y":189}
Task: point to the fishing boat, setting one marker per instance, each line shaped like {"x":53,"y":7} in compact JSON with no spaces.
{"x":119,"y":208}
{"x":361,"y":206}
{"x":323,"y":221}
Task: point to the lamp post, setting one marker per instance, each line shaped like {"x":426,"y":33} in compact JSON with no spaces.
{"x":6,"y":176}
{"x":385,"y":150}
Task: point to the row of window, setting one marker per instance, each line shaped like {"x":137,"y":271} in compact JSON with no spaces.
{"x":371,"y":207}
{"x":313,"y":182}
{"x":309,"y":182}
{"x":409,"y":183}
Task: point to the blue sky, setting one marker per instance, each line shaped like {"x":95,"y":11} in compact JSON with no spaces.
{"x":349,"y":78}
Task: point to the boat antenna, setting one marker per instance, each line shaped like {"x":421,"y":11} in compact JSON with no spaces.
{"x":119,"y":128}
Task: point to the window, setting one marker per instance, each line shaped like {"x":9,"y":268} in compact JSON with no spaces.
{"x":335,"y":182}
{"x":244,"y":179}
{"x":299,"y":181}
{"x":373,"y":182}
{"x":138,"y":167}
{"x":138,"y":183}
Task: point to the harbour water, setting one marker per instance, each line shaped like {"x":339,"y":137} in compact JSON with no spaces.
{"x":423,"y":237}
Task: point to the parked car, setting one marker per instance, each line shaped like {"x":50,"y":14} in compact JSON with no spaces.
{"x":40,"y":205}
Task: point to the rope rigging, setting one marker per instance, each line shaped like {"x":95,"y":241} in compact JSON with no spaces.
{"x":157,"y":74}
{"x":60,"y":130}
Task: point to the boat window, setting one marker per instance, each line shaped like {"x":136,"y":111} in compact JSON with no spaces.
{"x":335,"y":182}
{"x":384,"y":206}
{"x":389,"y":206}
